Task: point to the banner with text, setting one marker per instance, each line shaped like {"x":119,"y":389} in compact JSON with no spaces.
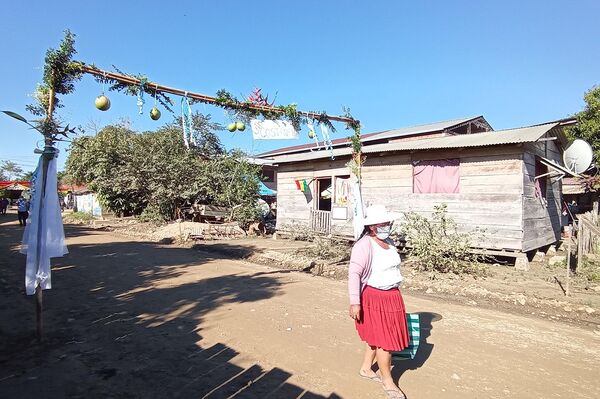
{"x":273,"y":130}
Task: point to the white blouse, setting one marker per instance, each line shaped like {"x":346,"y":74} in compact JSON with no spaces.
{"x":385,"y":269}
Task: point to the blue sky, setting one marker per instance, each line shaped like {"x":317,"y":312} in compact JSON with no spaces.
{"x":394,"y":63}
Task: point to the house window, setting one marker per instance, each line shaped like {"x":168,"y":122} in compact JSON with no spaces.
{"x":436,"y":176}
{"x":541,"y":183}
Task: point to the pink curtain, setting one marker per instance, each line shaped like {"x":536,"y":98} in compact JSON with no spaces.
{"x":438,"y":176}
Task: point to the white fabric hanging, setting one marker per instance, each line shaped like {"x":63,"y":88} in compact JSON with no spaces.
{"x":359,"y":215}
{"x":45,"y":232}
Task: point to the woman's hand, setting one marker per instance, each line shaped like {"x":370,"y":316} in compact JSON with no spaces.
{"x":355,"y":312}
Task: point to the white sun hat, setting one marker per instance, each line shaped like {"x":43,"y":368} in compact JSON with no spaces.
{"x":376,"y":214}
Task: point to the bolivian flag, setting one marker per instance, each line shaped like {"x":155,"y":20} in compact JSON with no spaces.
{"x":302,"y":185}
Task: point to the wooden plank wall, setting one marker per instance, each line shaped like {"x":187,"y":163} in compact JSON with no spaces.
{"x":541,"y":221}
{"x":293,"y":206}
{"x":490,"y":191}
{"x":490,"y":198}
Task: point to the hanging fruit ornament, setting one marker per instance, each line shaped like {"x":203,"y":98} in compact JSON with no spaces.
{"x":155,"y":114}
{"x":232,"y":126}
{"x":240,"y":126}
{"x":102,"y":103}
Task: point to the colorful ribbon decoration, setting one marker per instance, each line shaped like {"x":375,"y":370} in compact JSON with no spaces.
{"x":140,"y":96}
{"x":186,"y":121}
{"x":311,"y":129}
{"x":327,"y":139}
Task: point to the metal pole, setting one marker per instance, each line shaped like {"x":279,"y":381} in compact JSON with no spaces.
{"x":47,"y":155}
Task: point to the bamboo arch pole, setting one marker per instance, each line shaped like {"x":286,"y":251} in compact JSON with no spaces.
{"x":201,"y":97}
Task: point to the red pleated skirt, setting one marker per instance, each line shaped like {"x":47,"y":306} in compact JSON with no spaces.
{"x":383,"y":319}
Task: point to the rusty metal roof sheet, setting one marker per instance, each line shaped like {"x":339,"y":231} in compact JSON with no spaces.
{"x":427,"y":128}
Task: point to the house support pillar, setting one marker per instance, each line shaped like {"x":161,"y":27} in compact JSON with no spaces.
{"x":521,"y":262}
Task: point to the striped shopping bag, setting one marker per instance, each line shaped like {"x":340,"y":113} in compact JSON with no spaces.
{"x":414,"y":330}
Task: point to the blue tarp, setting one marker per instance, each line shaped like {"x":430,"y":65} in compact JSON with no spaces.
{"x":264,"y":190}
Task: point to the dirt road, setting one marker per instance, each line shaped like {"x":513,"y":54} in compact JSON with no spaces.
{"x":130,"y":319}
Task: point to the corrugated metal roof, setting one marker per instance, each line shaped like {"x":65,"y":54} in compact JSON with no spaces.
{"x":386,"y":134}
{"x":312,"y":146}
{"x":420,"y":129}
{"x":510,"y":136}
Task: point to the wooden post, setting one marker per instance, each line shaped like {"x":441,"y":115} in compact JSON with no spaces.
{"x":568,"y":263}
{"x":46,"y":157}
{"x":579,"y":227}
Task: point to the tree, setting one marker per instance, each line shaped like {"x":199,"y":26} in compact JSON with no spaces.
{"x":588,"y":126}
{"x":208,"y":143}
{"x":235,"y":184}
{"x":155,"y":174}
{"x":26,"y":176}
{"x":10,"y":170}
{"x":106,"y":163}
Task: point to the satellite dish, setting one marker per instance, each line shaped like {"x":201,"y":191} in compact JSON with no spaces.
{"x":578,"y":156}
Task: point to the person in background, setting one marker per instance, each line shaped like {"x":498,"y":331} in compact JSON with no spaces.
{"x":22,"y":211}
{"x":376,"y":304}
{"x":3,"y":206}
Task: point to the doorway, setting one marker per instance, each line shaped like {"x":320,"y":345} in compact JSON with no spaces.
{"x":324,"y":192}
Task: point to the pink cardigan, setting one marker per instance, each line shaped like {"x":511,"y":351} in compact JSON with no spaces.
{"x":359,"y":269}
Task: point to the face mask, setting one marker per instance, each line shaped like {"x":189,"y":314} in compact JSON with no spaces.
{"x":383,"y":232}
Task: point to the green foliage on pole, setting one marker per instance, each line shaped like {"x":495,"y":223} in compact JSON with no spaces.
{"x":60,"y":75}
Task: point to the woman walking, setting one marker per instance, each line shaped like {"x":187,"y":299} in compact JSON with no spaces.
{"x":376,"y":303}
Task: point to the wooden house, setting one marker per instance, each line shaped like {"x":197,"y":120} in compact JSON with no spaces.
{"x":506,"y":183}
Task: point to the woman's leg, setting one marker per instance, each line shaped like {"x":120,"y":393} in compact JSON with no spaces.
{"x":366,"y":369}
{"x":384,"y":361}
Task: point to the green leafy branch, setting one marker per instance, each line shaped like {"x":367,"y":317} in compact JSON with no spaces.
{"x":47,"y":127}
{"x":60,"y":75}
{"x":246,"y":110}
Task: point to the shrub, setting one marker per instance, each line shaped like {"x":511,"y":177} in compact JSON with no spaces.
{"x":324,"y":248}
{"x":78,"y":218}
{"x":329,"y":248}
{"x":298,"y":232}
{"x":438,"y":245}
{"x":590,"y":269}
{"x":152,"y":214}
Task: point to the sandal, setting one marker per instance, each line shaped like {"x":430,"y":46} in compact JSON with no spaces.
{"x":394,"y":394}
{"x":375,"y":378}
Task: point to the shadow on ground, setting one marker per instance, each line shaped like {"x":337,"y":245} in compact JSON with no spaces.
{"x":124,"y":320}
{"x":425,"y":348}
